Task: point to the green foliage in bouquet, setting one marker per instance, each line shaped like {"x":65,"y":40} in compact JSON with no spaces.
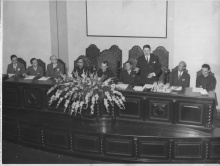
{"x":85,"y":92}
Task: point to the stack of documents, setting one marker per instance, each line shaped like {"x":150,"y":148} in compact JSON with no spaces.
{"x":148,"y":86}
{"x":44,"y":78}
{"x":122,"y":86}
{"x":138,"y":88}
{"x":10,"y":75}
{"x":29,"y":78}
{"x":197,"y":89}
{"x":176,"y":88}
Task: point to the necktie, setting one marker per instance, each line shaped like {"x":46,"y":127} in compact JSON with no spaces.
{"x":147,"y":58}
{"x":180,"y":73}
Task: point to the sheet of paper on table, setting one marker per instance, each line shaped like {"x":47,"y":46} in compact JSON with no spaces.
{"x":29,"y":78}
{"x":9,"y":75}
{"x":177,"y":88}
{"x":204,"y":92}
{"x":148,"y":86}
{"x":197,"y":89}
{"x":44,"y":78}
{"x":122,"y":86}
{"x":138,"y":88}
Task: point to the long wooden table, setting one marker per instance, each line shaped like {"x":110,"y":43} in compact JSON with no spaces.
{"x":154,"y":127}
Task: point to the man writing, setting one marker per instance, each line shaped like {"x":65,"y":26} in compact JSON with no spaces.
{"x":149,"y":66}
{"x":206,"y":80}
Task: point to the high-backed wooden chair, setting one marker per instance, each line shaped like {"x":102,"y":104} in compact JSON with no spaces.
{"x":64,"y":65}
{"x":135,"y":52}
{"x":43,"y":65}
{"x":92,"y":53}
{"x":163,"y":56}
{"x":86,"y":61}
{"x":118,"y":53}
{"x":107,"y":55}
{"x":20,"y":60}
{"x":198,"y":73}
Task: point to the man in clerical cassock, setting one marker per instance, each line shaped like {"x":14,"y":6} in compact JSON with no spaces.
{"x":180,"y":77}
{"x":128,"y":76}
{"x":206,"y":80}
{"x":104,"y":71}
{"x":80,"y":69}
{"x":149,"y":67}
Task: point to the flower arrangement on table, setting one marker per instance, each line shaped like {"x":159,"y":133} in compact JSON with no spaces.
{"x":85,"y":92}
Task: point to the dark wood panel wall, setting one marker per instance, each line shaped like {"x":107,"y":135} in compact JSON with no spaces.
{"x":122,"y":148}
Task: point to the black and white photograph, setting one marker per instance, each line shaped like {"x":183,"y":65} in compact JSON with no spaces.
{"x":110,"y":82}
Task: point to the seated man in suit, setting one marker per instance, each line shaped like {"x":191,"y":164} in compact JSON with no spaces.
{"x":206,"y":80}
{"x":34,"y":70}
{"x":149,"y":67}
{"x":104,"y":71}
{"x":15,"y":67}
{"x":54,"y":69}
{"x":128,"y":76}
{"x":80,"y":69}
{"x":180,"y":77}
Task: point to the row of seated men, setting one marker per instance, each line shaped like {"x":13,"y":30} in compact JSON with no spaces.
{"x":147,"y":71}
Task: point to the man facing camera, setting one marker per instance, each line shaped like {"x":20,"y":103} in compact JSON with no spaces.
{"x":149,"y":66}
{"x":104,"y":71}
{"x":180,"y":77}
{"x":54,"y":69}
{"x":34,"y":70}
{"x":128,"y":76}
{"x":15,"y":67}
{"x":206,"y":80}
{"x":80,"y":69}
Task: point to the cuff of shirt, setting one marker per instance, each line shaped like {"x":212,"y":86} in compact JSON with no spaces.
{"x":154,"y":74}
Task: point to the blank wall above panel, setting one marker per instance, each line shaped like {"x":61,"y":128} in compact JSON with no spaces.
{"x":130,"y":18}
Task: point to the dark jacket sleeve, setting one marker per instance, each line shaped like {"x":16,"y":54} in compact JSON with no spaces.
{"x":213,"y":83}
{"x":158,"y":66}
{"x":27,"y":71}
{"x":188,"y":81}
{"x":61,"y":69}
{"x":48,"y":71}
{"x":8,"y":69}
{"x":41,"y":72}
{"x":22,"y":69}
{"x":172,"y":79}
{"x":121,"y":77}
{"x":198,"y":82}
{"x":138,"y":65}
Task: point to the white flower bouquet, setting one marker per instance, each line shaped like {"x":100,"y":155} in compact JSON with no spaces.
{"x":85,"y":92}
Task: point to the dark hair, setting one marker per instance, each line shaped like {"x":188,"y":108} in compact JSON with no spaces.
{"x":79,"y":59}
{"x":146,"y":46}
{"x":128,"y":62}
{"x":13,"y":56}
{"x":206,"y":66}
{"x":105,"y":62}
{"x":32,"y":59}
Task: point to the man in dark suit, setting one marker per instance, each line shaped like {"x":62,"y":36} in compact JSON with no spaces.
{"x":206,"y":80}
{"x":128,"y":76}
{"x":149,"y":66}
{"x":54,"y":69}
{"x":34,"y":70}
{"x":80,"y":69}
{"x":15,"y":67}
{"x":104,"y":72}
{"x":180,"y":77}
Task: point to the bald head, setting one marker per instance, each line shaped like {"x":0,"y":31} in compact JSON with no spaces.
{"x":53,"y":59}
{"x":182,"y":66}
